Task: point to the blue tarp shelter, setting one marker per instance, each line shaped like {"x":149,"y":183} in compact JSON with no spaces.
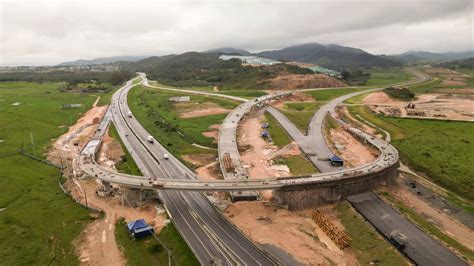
{"x":336,"y":161}
{"x":139,"y":228}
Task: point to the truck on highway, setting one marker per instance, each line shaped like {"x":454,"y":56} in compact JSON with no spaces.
{"x":129,"y":114}
{"x":150,"y":139}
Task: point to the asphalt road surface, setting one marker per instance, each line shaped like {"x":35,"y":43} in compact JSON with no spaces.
{"x":420,"y":248}
{"x":207,"y":232}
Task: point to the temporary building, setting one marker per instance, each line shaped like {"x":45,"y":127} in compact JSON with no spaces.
{"x":139,"y":228}
{"x":336,"y":161}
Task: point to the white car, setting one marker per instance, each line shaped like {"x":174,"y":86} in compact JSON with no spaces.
{"x":166,"y":156}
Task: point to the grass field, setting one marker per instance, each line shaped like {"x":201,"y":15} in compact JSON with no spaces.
{"x":248,"y":94}
{"x":426,"y":87}
{"x":386,"y":76}
{"x":149,"y":251}
{"x":39,"y":222}
{"x":366,"y":243}
{"x":127,"y":165}
{"x":428,"y":226}
{"x":300,"y":119}
{"x":298,"y":164}
{"x":440,"y":149}
{"x":300,"y":113}
{"x":278,"y":134}
{"x":154,"y":111}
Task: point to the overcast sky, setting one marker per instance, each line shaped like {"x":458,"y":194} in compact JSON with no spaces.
{"x":52,"y":31}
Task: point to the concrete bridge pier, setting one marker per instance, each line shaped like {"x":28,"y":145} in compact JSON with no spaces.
{"x":313,"y":195}
{"x":107,"y":187}
{"x":135,"y":197}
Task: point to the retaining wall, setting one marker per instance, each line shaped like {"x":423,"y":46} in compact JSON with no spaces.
{"x":312,"y":195}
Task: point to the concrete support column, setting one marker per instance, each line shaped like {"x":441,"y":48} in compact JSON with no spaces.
{"x":135,"y":197}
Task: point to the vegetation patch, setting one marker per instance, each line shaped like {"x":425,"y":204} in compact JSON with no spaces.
{"x":149,"y":251}
{"x":395,"y":131}
{"x":39,"y":221}
{"x":298,"y":164}
{"x":403,"y":94}
{"x":386,"y":76}
{"x":440,"y":149}
{"x":368,"y":246}
{"x":278,"y":134}
{"x":300,"y":113}
{"x":302,"y":106}
{"x":426,"y":87}
{"x":329,"y":94}
{"x":300,"y":119}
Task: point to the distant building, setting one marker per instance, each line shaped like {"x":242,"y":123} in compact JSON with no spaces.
{"x":180,"y":99}
{"x":139,"y":228}
{"x":73,"y":105}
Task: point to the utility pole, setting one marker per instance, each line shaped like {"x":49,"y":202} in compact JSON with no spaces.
{"x":85,"y":197}
{"x":33,"y":143}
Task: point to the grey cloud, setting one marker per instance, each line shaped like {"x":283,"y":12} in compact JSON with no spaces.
{"x":48,"y":32}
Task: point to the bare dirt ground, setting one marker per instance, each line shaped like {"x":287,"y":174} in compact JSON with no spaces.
{"x":296,"y":97}
{"x":439,"y":70}
{"x":467,"y":91}
{"x":299,"y":81}
{"x":452,"y":82}
{"x":96,"y":245}
{"x":353,"y":152}
{"x":79,"y":133}
{"x":257,"y":158}
{"x":294,"y":232}
{"x":442,"y":220}
{"x":110,"y":152}
{"x":204,"y":112}
{"x":193,"y":109}
{"x":213,"y":132}
{"x":441,"y":106}
{"x":300,"y":64}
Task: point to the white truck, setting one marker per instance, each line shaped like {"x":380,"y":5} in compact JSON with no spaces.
{"x":150,"y":139}
{"x":129,"y":114}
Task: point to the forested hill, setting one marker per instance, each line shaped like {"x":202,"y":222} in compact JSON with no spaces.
{"x":331,"y":56}
{"x":206,"y":69}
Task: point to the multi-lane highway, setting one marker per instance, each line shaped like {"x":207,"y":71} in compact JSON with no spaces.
{"x":208,"y":233}
{"x":211,"y":237}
